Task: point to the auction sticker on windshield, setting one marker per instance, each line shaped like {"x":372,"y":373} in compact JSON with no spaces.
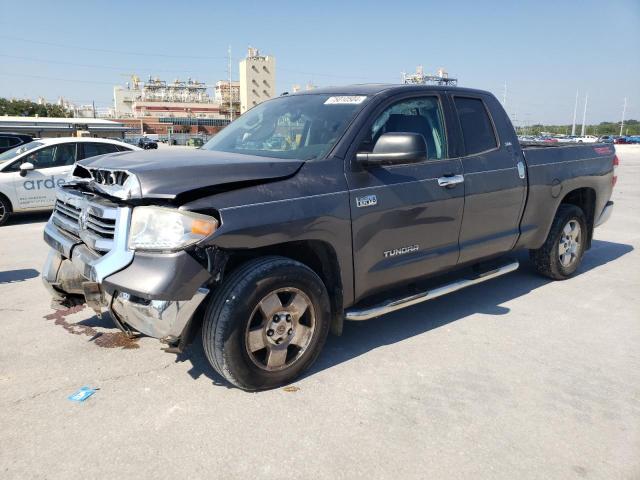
{"x":346,"y":100}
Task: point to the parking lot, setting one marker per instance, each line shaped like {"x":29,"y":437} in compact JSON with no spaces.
{"x":520,"y":377}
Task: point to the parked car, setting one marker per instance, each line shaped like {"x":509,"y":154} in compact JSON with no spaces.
{"x":633,"y":139}
{"x":147,"y":143}
{"x":29,"y":173}
{"x":621,"y":140}
{"x":195,"y":142}
{"x":607,"y":138}
{"x":387,"y":196}
{"x":586,"y":139}
{"x":11,"y":140}
{"x":565,"y":138}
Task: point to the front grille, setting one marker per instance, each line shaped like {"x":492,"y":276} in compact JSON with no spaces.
{"x":86,"y":219}
{"x":103,"y":227}
{"x":67,"y":211}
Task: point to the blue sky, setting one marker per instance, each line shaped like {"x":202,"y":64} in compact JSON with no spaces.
{"x":544,"y":51}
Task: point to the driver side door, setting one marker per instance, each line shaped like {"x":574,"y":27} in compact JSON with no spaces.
{"x":405,"y":220}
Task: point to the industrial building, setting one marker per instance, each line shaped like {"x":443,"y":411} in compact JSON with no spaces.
{"x":421,"y":78}
{"x":158,"y":98}
{"x":257,"y":79}
{"x":160,"y":107}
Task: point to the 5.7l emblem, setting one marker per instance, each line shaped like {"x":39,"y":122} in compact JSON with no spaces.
{"x":366,"y":201}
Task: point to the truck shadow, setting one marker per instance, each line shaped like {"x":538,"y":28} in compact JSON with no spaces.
{"x":15,"y":276}
{"x":27,"y":218}
{"x":358,"y":338}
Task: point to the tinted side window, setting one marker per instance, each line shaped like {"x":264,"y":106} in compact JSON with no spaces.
{"x":477,"y":129}
{"x":93,"y":149}
{"x":106,"y":148}
{"x":415,"y":115}
{"x":65,"y":154}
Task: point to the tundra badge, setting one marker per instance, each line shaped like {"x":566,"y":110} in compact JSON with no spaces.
{"x":366,"y":201}
{"x":401,"y":251}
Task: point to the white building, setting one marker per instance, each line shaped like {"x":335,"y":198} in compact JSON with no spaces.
{"x":257,"y":79}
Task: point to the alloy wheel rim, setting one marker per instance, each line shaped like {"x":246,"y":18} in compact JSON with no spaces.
{"x":569,"y":244}
{"x":280,"y":329}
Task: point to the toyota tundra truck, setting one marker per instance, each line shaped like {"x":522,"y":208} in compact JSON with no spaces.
{"x":315,"y":208}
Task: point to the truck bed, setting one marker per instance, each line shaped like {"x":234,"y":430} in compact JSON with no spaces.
{"x":555,"y":171}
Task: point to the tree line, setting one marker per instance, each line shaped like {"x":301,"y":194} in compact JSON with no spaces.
{"x":631,"y":127}
{"x":27,"y":108}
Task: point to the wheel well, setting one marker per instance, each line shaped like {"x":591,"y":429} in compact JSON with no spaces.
{"x":585,"y":198}
{"x":319,"y":256}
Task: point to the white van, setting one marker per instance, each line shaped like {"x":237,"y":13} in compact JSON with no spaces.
{"x":30,"y":173}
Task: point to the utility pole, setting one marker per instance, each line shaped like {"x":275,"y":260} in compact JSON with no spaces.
{"x":584,"y":115}
{"x":504,"y":96}
{"x":575,"y":112}
{"x":229,"y":76}
{"x":94,"y":108}
{"x":624,"y":110}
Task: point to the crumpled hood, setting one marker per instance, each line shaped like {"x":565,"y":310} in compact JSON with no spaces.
{"x":168,"y":173}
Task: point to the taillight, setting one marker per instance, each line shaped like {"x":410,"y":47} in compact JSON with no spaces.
{"x":616,"y":162}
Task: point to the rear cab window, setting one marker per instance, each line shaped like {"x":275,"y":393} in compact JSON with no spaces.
{"x":478,"y":133}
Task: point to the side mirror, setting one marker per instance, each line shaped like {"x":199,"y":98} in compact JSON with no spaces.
{"x":25,"y":167}
{"x":395,"y":148}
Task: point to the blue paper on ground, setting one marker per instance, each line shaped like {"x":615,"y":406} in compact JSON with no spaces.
{"x":82,"y":394}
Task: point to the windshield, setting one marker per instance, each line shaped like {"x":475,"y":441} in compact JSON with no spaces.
{"x":14,"y":152}
{"x":303,"y":127}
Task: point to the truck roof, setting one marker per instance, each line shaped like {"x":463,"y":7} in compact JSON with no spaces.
{"x":376,"y":88}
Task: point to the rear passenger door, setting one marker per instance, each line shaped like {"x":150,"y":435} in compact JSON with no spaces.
{"x":495,"y":187}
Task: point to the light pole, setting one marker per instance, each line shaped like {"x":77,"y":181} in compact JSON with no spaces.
{"x":624,"y":110}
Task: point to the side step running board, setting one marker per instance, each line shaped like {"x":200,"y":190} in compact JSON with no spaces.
{"x":393,"y":305}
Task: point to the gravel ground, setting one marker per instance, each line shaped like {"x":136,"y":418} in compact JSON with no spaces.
{"x":516,"y":378}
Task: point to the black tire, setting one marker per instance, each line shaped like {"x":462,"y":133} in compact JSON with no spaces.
{"x":232,"y":310}
{"x":5,"y":210}
{"x":547,"y":259}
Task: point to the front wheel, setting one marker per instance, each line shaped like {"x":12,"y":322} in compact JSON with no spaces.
{"x":5,"y":210}
{"x":561,"y":254}
{"x":266,"y":323}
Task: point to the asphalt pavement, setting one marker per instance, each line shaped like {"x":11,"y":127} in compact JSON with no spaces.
{"x":520,"y":377}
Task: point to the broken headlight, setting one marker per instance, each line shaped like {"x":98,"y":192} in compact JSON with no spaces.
{"x":168,"y":229}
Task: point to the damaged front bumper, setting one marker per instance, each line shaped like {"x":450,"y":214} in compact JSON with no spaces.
{"x":156,"y":295}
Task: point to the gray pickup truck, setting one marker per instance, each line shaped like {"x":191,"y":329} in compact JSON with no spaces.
{"x":312,"y":208}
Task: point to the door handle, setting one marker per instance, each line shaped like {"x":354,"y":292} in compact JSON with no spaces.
{"x":451,"y":180}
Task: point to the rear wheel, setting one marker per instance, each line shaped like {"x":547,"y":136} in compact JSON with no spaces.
{"x":5,"y":210}
{"x":562,"y":252}
{"x":266,"y":323}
